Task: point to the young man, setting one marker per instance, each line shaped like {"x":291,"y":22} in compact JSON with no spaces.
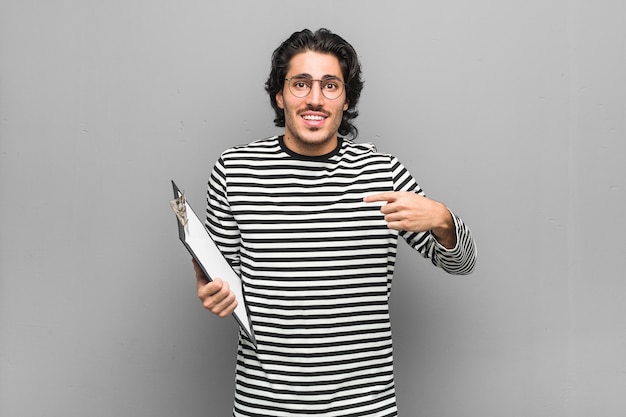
{"x":310,"y":221}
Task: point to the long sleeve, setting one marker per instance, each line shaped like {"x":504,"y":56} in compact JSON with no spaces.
{"x":459,"y":260}
{"x":219,"y":219}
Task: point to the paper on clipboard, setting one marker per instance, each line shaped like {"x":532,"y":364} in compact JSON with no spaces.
{"x":198,"y":242}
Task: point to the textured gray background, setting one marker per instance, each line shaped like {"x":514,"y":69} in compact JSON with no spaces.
{"x":511,"y":112}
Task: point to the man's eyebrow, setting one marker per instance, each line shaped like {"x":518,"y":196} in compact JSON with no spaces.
{"x":325,"y":77}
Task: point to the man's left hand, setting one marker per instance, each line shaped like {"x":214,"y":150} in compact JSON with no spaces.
{"x":405,"y":210}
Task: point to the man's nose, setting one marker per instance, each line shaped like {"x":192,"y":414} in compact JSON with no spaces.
{"x":316,"y":96}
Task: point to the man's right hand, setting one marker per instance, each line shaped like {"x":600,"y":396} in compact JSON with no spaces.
{"x":215,"y":295}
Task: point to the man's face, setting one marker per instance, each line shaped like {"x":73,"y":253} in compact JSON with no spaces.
{"x":311,"y":122}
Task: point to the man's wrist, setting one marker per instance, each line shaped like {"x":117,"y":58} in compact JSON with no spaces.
{"x":445,"y":232}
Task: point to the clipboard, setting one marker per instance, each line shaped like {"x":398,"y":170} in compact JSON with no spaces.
{"x":201,"y":246}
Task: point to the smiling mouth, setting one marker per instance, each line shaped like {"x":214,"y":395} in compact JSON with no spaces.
{"x":313,"y":118}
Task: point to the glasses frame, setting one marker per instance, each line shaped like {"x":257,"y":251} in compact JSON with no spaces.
{"x":311,"y":87}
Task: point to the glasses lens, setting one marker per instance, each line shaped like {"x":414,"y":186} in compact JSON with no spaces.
{"x":299,"y":87}
{"x":331,"y":88}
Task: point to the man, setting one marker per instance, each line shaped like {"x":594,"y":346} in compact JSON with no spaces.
{"x":310,"y":221}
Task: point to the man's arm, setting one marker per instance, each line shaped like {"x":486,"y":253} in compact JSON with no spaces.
{"x":412,"y":212}
{"x":216,"y":295}
{"x":451,"y":246}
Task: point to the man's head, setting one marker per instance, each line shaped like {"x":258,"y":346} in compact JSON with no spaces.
{"x":323,"y":42}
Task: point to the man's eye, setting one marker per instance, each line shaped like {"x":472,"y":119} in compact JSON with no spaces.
{"x":301,"y":85}
{"x":330,"y":86}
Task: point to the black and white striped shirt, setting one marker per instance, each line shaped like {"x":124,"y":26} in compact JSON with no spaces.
{"x":317,"y":265}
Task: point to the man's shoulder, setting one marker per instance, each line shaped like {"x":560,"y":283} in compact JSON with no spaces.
{"x":363,"y":149}
{"x":261,"y":146}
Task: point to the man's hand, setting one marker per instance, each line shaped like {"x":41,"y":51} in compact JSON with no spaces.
{"x":215,"y":295}
{"x":412,"y":212}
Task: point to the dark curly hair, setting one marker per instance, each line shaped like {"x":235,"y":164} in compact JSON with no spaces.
{"x":323,"y":41}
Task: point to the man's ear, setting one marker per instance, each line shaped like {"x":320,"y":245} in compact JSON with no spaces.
{"x":346,"y":105}
{"x":279,"y":100}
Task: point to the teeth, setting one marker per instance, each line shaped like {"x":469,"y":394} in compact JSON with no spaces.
{"x":312,"y":117}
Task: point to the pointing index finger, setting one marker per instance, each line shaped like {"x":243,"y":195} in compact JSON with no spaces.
{"x":385,"y":196}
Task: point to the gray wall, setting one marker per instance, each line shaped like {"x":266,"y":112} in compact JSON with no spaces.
{"x":511,"y":112}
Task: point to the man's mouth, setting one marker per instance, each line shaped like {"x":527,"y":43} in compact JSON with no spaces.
{"x":313,"y":117}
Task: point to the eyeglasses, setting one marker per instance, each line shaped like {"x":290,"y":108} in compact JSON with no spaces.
{"x":332,"y":87}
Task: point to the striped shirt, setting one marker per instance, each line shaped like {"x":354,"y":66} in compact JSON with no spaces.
{"x":316,"y":264}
